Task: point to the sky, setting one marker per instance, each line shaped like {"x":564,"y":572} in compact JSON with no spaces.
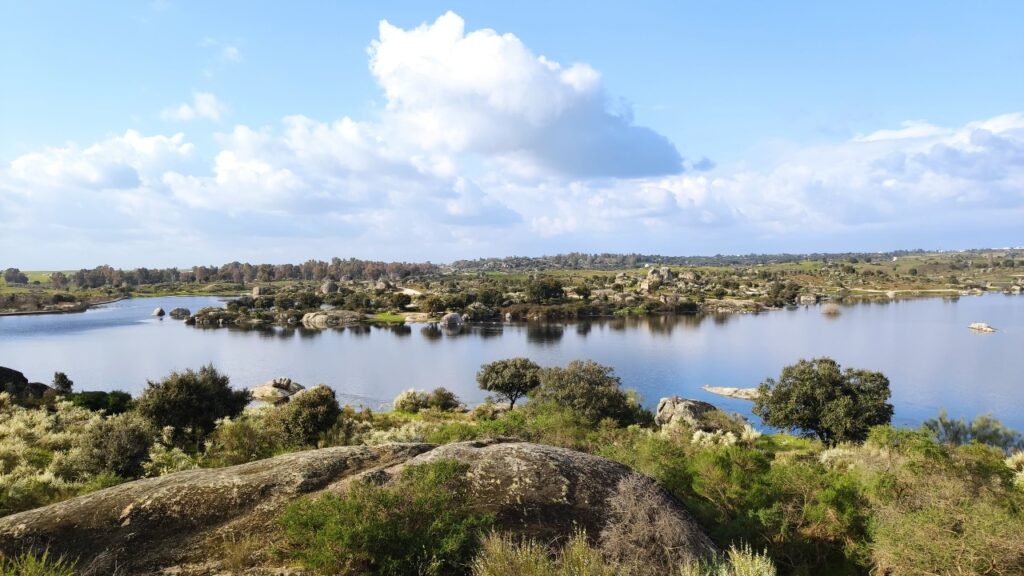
{"x":174,"y":133}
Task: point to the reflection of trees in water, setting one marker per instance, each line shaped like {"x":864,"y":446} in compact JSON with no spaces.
{"x":431,"y":332}
{"x":721,"y":319}
{"x":583,"y":328}
{"x":488,"y":330}
{"x":544,"y":333}
{"x":400,"y":329}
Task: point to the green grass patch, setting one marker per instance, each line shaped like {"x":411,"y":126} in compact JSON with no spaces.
{"x":388,"y":318}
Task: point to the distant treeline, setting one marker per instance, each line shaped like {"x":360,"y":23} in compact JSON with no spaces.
{"x":237,"y":272}
{"x":580,"y":261}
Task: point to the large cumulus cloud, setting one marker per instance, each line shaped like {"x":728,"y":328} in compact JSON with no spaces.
{"x":484,"y":147}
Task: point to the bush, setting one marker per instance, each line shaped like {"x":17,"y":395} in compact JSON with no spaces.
{"x":306,"y":416}
{"x":444,"y":400}
{"x":642,"y":534}
{"x":591,"y":391}
{"x":816,"y":397}
{"x":118,"y":445}
{"x":422,"y":523}
{"x":191,"y":402}
{"x":983,"y":429}
{"x":739,"y":561}
{"x":511,"y":379}
{"x":411,"y":401}
{"x":238,"y":440}
{"x":110,"y":403}
{"x":503,"y":555}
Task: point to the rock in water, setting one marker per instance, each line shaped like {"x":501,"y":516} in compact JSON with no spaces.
{"x":183,"y":523}
{"x":451,"y":320}
{"x":276,"y":391}
{"x":730,"y":392}
{"x":981,"y":327}
{"x":158,"y":312}
{"x":180,"y":313}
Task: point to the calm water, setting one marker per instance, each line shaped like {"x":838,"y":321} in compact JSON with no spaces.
{"x":923,"y":346}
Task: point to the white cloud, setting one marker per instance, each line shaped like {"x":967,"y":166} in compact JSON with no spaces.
{"x":484,"y":147}
{"x":204,"y":105}
{"x":486,"y":94}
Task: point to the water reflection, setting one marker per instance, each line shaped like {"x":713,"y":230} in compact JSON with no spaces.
{"x":923,"y":346}
{"x":431,"y":332}
{"x":583,"y":328}
{"x":544,"y":333}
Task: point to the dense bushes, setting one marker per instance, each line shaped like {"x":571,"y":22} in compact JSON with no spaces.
{"x":306,"y":416}
{"x":191,"y":402}
{"x":117,"y":445}
{"x":421,"y":524}
{"x":110,"y":403}
{"x":591,"y":391}
{"x":412,"y":401}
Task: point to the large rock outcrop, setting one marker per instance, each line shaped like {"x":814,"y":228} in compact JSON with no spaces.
{"x":17,"y":385}
{"x":332,"y":319}
{"x":185,"y":523}
{"x":276,"y":391}
{"x":676,"y":411}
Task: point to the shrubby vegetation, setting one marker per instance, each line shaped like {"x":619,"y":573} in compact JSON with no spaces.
{"x":422,"y":524}
{"x":945,"y":499}
{"x":191,"y":402}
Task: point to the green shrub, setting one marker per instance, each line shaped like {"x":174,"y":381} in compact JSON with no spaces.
{"x":444,"y":400}
{"x":239,"y":440}
{"x":306,"y":416}
{"x":984,"y":429}
{"x":422,"y":523}
{"x":591,"y":391}
{"x":947,"y":510}
{"x":411,"y":401}
{"x":27,"y":564}
{"x":191,"y":402}
{"x":116,"y":445}
{"x":110,"y":403}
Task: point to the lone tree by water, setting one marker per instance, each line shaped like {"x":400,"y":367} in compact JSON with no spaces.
{"x":820,"y":399}
{"x":511,"y":379}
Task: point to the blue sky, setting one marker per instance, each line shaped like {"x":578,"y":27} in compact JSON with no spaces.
{"x":170,"y":133}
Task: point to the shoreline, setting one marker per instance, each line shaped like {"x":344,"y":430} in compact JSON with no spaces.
{"x":77,"y":310}
{"x":866,"y":294}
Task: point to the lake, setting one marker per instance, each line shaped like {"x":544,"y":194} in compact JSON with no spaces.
{"x":922,"y":345}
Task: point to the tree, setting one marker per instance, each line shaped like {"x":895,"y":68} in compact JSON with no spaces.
{"x":820,"y":399}
{"x":191,"y":402}
{"x":511,"y":378}
{"x":591,"y":391}
{"x":547,"y":288}
{"x":61,"y":383}
{"x":15,"y":276}
{"x":59,"y":280}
